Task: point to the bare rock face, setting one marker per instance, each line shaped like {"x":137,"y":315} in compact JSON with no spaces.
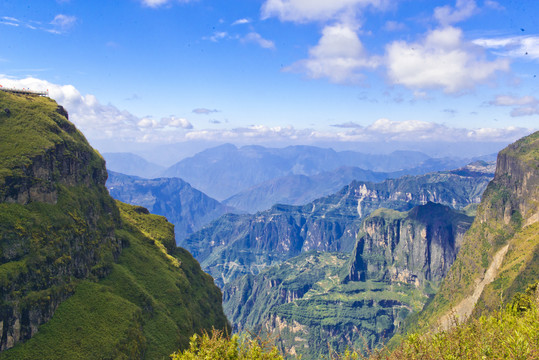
{"x":412,"y":247}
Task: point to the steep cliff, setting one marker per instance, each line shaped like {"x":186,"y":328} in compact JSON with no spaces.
{"x":398,"y":263}
{"x":415,"y":247}
{"x":234,"y":245}
{"x":500,"y":253}
{"x":82,"y":276}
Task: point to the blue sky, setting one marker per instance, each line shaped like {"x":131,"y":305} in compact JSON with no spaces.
{"x":274,"y":72}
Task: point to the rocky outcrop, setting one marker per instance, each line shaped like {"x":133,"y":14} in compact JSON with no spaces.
{"x":413,"y":247}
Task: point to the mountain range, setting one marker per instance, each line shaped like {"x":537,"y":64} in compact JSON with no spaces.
{"x":234,"y":245}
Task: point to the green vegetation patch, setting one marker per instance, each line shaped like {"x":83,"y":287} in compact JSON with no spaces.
{"x":93,"y":324}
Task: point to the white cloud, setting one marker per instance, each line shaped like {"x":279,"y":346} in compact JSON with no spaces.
{"x":158,"y":3}
{"x":522,"y":106}
{"x":464,"y":9}
{"x":241,"y":22}
{"x":63,"y":22}
{"x":441,"y":60}
{"x":338,"y":56}
{"x":315,"y":10}
{"x":517,"y":46}
{"x":218,"y":35}
{"x":175,"y":122}
{"x":99,"y":121}
{"x":106,"y":122}
{"x":494,"y":5}
{"x":256,"y":38}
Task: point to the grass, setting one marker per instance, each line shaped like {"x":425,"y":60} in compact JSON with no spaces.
{"x":120,"y":287}
{"x":146,"y":307}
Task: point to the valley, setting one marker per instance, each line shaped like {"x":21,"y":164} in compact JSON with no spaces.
{"x":343,"y":258}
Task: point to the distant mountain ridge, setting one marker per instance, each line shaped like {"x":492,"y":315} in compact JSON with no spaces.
{"x":226,"y":170}
{"x":234,"y":245}
{"x":301,"y":189}
{"x":187,"y":208}
{"x":132,"y":164}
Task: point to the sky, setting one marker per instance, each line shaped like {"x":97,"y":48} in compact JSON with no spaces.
{"x":373,"y":75}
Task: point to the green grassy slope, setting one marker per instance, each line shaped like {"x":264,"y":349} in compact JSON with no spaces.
{"x":80,"y":275}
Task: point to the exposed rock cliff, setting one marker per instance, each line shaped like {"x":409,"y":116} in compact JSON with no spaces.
{"x":54,"y":204}
{"x":415,"y":247}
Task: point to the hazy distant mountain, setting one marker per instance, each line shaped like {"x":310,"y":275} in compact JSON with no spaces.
{"x":226,"y":170}
{"x":299,"y":189}
{"x":131,"y":164}
{"x":187,"y":208}
{"x":234,"y":245}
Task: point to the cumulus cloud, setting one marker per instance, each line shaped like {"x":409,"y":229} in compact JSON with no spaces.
{"x":338,"y":56}
{"x":106,"y":122}
{"x":315,"y":10}
{"x":517,"y":46}
{"x":99,"y":121}
{"x":447,"y":15}
{"x":380,"y":131}
{"x":256,"y":38}
{"x":441,"y":60}
{"x":522,"y":106}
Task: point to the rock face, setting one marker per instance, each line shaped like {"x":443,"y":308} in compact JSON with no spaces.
{"x":234,"y":245}
{"x":414,"y":247}
{"x":499,"y":254}
{"x":187,"y":208}
{"x":399,"y":261}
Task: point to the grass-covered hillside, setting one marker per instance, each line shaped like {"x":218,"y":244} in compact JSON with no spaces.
{"x":81,"y":276}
